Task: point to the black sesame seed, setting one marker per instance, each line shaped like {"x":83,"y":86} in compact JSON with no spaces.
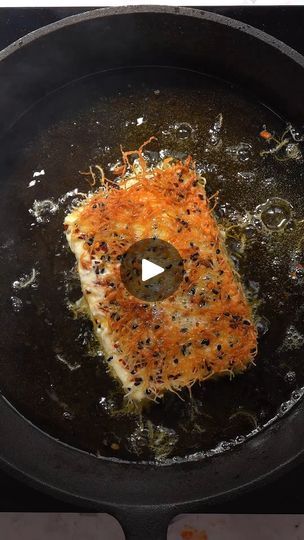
{"x":219,"y":347}
{"x":195,"y":256}
{"x":184,"y":348}
{"x":205,"y":342}
{"x":175,"y":360}
{"x":184,"y":330}
{"x":157,"y":326}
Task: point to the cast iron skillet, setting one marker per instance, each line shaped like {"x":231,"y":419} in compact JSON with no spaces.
{"x":145,"y":497}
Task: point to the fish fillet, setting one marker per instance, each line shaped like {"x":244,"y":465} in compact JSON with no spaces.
{"x":205,"y":328}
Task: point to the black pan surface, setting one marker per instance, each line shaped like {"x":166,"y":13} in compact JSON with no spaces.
{"x":50,"y":369}
{"x":54,"y":373}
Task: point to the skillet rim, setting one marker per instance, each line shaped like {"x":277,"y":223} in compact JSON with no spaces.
{"x":182,"y":470}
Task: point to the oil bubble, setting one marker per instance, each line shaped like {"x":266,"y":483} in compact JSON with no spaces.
{"x":183,"y":131}
{"x":241,"y":152}
{"x":215,"y":131}
{"x":108,"y":405}
{"x":43,"y":210}
{"x":160,"y":439}
{"x":262,"y":326}
{"x":290,"y":377}
{"x":293,"y":151}
{"x":206,"y":167}
{"x":293,"y":340}
{"x":246,"y":176}
{"x":296,"y":270}
{"x":249,"y":231}
{"x":275,"y":213}
{"x":16,"y":303}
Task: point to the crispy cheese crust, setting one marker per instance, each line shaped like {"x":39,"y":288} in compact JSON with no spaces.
{"x":205,"y":328}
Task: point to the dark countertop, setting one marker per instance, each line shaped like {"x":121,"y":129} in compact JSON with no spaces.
{"x":283,"y":495}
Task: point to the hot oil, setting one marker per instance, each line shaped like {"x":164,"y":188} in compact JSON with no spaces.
{"x":51,"y":368}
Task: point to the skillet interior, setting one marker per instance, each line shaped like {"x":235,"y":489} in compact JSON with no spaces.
{"x":51,"y":370}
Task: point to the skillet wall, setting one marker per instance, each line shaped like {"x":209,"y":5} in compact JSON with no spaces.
{"x":142,"y":38}
{"x":166,"y":36}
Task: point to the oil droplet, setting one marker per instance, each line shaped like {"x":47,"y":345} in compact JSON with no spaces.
{"x":275,"y":213}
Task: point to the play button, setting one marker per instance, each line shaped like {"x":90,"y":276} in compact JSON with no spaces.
{"x":151,"y":269}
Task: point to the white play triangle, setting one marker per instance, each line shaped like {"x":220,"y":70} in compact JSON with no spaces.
{"x":150,"y":270}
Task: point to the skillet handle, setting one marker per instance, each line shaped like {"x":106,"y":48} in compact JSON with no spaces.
{"x":144,"y":523}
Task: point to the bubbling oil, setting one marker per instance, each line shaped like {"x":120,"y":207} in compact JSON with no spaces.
{"x":52,"y":368}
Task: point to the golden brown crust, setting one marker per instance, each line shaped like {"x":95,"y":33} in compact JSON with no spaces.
{"x":205,"y":328}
